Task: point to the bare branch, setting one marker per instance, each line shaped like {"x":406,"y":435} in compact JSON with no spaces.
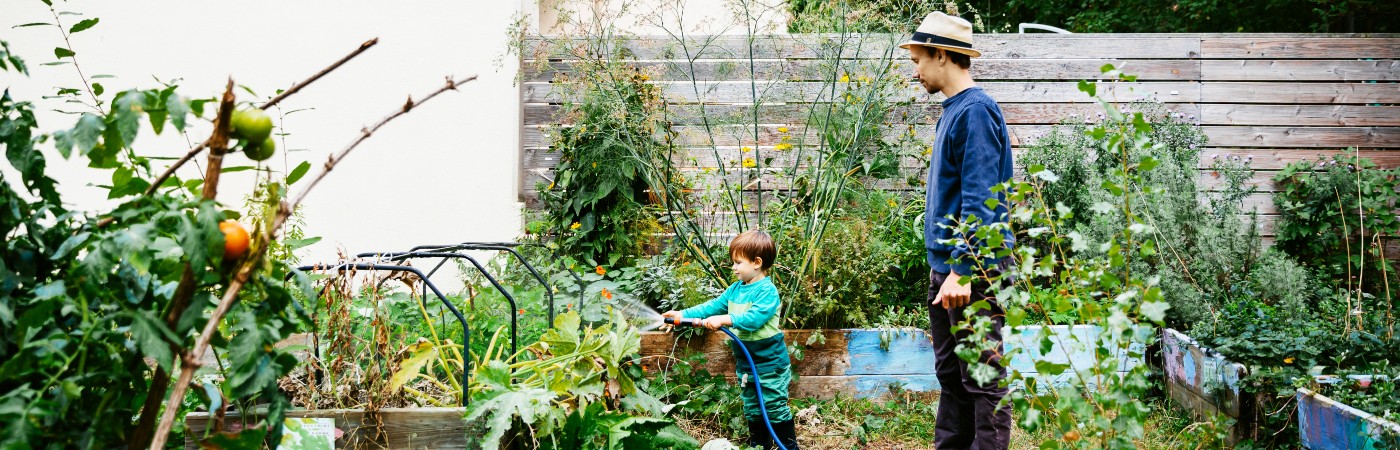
{"x":270,"y":103}
{"x":190,"y":361}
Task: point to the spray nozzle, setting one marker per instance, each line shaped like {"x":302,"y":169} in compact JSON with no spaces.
{"x":681,"y":322}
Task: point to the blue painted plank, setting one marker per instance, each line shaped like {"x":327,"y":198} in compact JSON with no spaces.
{"x":910,"y":353}
{"x":1070,"y":346}
{"x":1206,"y":372}
{"x":1324,"y":424}
{"x":875,"y":386}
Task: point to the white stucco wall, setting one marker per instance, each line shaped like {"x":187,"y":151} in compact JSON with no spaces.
{"x":446,"y":172}
{"x":662,"y":17}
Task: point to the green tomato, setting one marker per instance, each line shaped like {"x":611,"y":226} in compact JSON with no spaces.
{"x":261,"y":151}
{"x":250,"y":125}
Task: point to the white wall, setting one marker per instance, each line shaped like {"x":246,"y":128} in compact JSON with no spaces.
{"x":658,"y":17}
{"x":452,"y":165}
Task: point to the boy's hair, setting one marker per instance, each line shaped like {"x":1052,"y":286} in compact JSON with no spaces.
{"x":754,"y":244}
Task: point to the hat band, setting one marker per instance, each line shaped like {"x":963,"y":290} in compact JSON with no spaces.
{"x":926,"y":38}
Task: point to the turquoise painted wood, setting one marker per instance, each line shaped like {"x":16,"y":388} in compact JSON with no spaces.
{"x":1203,"y":372}
{"x":1206,"y":383}
{"x":862,"y":363}
{"x":908,"y":359}
{"x":1325,"y":424}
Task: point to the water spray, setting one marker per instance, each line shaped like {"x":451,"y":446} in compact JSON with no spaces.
{"x":758,"y":388}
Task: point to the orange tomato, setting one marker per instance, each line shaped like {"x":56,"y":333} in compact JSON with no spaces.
{"x":235,"y":240}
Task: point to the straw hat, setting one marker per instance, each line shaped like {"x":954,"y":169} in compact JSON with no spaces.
{"x":943,"y":31}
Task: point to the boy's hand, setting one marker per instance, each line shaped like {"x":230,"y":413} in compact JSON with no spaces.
{"x":715,"y":322}
{"x":674,"y":315}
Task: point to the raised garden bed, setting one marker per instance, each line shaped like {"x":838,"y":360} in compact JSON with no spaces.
{"x":397,"y":427}
{"x":1325,"y":424}
{"x":1206,"y":383}
{"x":855,"y":363}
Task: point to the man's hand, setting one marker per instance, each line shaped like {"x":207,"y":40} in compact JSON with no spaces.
{"x":953,"y":294}
{"x":715,"y":322}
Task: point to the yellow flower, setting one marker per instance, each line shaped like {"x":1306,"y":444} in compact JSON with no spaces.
{"x":782,"y":129}
{"x":1288,"y":360}
{"x":928,"y":151}
{"x":749,"y":162}
{"x":575,"y":226}
{"x":551,"y":186}
{"x":746,"y":149}
{"x":600,"y":270}
{"x":845,"y":78}
{"x":595,"y":165}
{"x":782,"y":147}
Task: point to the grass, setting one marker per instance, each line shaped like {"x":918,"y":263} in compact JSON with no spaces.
{"x":906,"y":422}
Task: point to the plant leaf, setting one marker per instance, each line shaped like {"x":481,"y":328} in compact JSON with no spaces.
{"x":419,"y":355}
{"x":80,"y":26}
{"x":298,"y":172}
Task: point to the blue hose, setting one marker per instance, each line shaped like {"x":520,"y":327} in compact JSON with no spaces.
{"x":757,"y":388}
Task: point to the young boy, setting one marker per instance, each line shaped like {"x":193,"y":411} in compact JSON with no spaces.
{"x":750,"y":306}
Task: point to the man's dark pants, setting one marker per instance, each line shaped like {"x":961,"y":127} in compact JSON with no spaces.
{"x":968,"y":417}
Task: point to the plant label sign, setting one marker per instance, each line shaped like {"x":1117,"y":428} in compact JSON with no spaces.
{"x":308,"y":433}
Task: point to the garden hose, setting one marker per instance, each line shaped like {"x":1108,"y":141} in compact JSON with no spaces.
{"x":758,"y":388}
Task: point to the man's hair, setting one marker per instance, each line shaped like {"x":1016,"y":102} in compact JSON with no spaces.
{"x":960,"y":59}
{"x":754,"y":244}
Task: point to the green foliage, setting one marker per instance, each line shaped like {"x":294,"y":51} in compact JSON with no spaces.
{"x":1335,"y":214}
{"x":1206,"y":241}
{"x":579,"y":392}
{"x":1098,"y":406}
{"x":90,"y":308}
{"x":701,"y":399}
{"x":1377,"y":393}
{"x":606,"y":175}
{"x":869,"y":262}
{"x":1097,"y":16}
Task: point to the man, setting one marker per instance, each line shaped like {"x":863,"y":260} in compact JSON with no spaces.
{"x":971,"y":154}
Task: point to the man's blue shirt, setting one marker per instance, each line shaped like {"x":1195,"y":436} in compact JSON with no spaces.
{"x":971,"y":153}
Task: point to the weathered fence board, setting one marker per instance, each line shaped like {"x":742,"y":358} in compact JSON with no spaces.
{"x":992,"y":46}
{"x":1298,"y":70}
{"x":1300,"y":47}
{"x":818,"y":70}
{"x":1220,"y":136}
{"x":1284,"y":115}
{"x":1300,"y":93}
{"x":769,"y":91}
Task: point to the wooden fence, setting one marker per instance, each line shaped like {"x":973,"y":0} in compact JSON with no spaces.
{"x":1276,"y":97}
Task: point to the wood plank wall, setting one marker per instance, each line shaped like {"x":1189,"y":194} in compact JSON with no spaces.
{"x":1276,"y":97}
